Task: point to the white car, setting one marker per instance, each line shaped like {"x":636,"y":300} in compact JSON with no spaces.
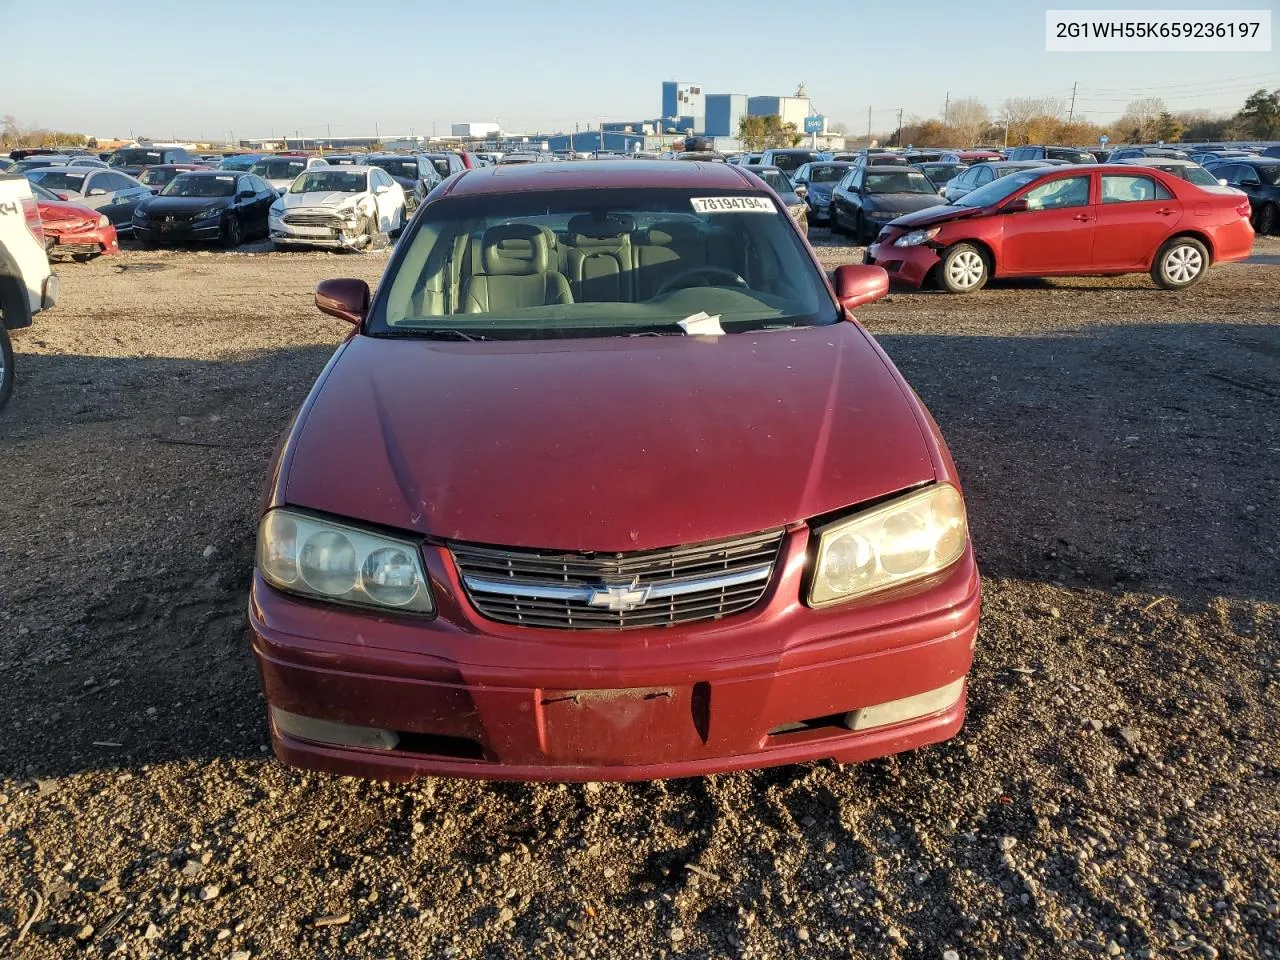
{"x":345,"y":207}
{"x":281,"y":171}
{"x":27,"y":285}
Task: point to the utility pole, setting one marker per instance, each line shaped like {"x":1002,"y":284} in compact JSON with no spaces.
{"x":899,"y":138}
{"x":1006,"y":129}
{"x":868,"y":126}
{"x":1072,"y":112}
{"x":946,"y":109}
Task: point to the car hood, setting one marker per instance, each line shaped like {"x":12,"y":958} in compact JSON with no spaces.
{"x":322,"y":198}
{"x":822,"y":190}
{"x":62,"y":213}
{"x":939,"y":213}
{"x":612,"y":444}
{"x":156,"y":205}
{"x":902,"y":202}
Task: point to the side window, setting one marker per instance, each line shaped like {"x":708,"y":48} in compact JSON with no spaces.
{"x":855,"y":182}
{"x":106,"y":181}
{"x":1228,"y":171}
{"x":1119,"y":189}
{"x":983,"y":175}
{"x":1064,"y":192}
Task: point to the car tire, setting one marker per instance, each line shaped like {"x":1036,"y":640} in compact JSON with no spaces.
{"x":231,"y":233}
{"x":963,"y":269}
{"x":860,"y":230}
{"x":833,"y":221}
{"x":6,"y":367}
{"x":1267,"y":221}
{"x":1182,"y":262}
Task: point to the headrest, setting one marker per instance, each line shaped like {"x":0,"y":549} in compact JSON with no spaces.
{"x":601,"y":228}
{"x":516,"y":249}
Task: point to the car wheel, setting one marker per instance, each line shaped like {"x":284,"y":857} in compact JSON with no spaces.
{"x":833,"y":220}
{"x":231,"y":234}
{"x":1268,"y":220}
{"x":6,"y":366}
{"x":963,"y":269}
{"x":1180,"y":263}
{"x":860,"y":230}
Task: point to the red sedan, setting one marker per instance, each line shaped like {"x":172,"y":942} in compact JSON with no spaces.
{"x":607,"y":483}
{"x":1095,"y":220}
{"x":73,"y":230}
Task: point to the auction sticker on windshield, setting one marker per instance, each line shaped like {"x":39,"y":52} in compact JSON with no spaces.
{"x":732,"y":205}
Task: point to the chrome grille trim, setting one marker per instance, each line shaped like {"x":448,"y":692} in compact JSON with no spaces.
{"x":573,"y":591}
{"x":313,"y":219}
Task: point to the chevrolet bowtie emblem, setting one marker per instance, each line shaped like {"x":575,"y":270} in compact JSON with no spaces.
{"x":619,"y":597}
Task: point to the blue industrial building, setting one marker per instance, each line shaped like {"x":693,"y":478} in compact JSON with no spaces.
{"x":724,"y":114}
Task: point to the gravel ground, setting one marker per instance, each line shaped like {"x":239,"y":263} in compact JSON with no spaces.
{"x":1115,"y":791}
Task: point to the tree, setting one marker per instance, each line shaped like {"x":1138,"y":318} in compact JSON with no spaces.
{"x":925,"y":133}
{"x":968,"y":117}
{"x":763,"y":133}
{"x":1199,"y":125}
{"x":1027,"y":117}
{"x":1140,"y":121}
{"x":839,"y":129}
{"x":1169,"y":127}
{"x":1260,"y":115}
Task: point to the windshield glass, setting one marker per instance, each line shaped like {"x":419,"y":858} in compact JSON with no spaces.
{"x":827,"y":172}
{"x":134,"y":158}
{"x":405,"y":167}
{"x":336,"y":181}
{"x":196,"y":185}
{"x":58,"y":179}
{"x":897,"y":181}
{"x":790,"y":161}
{"x":238,"y":163}
{"x":157,"y":176}
{"x":278,"y":169}
{"x":777,"y":180}
{"x":603,"y":262}
{"x":998,"y":189}
{"x":942,"y":172}
{"x":1197,"y":175}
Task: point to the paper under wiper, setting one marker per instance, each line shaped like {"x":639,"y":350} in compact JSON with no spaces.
{"x":700,"y":324}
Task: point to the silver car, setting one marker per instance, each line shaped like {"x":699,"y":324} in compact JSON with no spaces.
{"x":107,"y":191}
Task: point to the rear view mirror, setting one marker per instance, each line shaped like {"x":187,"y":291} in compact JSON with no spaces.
{"x":859,"y":284}
{"x":346,"y":298}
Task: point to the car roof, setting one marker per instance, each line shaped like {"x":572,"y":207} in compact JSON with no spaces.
{"x":202,"y":172}
{"x":1152,"y":161}
{"x":603,"y":174}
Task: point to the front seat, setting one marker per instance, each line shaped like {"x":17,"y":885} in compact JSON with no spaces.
{"x":515,"y":272}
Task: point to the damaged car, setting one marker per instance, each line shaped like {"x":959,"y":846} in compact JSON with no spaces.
{"x":344,"y":207}
{"x":72,"y":229}
{"x":416,"y":174}
{"x":607,"y":483}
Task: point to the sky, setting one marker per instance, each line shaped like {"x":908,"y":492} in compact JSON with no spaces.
{"x":253,"y":69}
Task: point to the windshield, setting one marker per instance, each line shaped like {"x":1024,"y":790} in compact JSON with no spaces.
{"x":998,"y":189}
{"x":157,"y":176}
{"x":405,"y":167}
{"x":1197,"y":175}
{"x":278,"y":169}
{"x":942,"y":172}
{"x":196,"y":185}
{"x":897,"y":181}
{"x":335,"y":181}
{"x":58,"y":179}
{"x":134,"y":158}
{"x":790,"y":161}
{"x":777,"y":180}
{"x":238,"y":163}
{"x":603,"y":262}
{"x":827,"y":172}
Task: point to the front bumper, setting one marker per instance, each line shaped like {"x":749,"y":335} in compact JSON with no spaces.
{"x":343,"y":237}
{"x":179,"y":231}
{"x":909,"y":266}
{"x":468,"y":697}
{"x":91,"y":239}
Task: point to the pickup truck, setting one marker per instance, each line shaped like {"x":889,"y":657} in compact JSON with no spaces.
{"x":27,"y":285}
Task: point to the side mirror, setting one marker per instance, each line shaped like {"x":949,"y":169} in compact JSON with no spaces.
{"x":346,"y":299}
{"x":858,"y":284}
{"x":1015,"y":206}
{"x":97,"y":192}
{"x":801,"y":191}
{"x":245,"y":195}
{"x":381,"y":189}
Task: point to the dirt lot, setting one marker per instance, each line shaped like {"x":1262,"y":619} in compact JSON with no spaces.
{"x":1116,"y":790}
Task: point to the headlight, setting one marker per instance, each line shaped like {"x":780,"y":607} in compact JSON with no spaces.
{"x":208,"y":213}
{"x":277,"y":210}
{"x":104,"y":222}
{"x":903,"y":540}
{"x":332,"y":561}
{"x":885,"y":215}
{"x":916,"y":237}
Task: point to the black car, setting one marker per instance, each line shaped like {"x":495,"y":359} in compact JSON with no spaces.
{"x":1259,"y":178}
{"x":222,"y":206}
{"x":131,"y":160}
{"x":1069,"y":154}
{"x":819,"y":179}
{"x":869,"y":197}
{"x":881,"y":160}
{"x":941,"y":172}
{"x":417,"y":173}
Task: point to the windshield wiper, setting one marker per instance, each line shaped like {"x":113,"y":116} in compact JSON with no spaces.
{"x":439,"y":333}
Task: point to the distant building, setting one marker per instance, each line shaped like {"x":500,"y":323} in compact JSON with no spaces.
{"x":682,"y":99}
{"x":475,"y":130}
{"x":788,"y":109}
{"x":724,"y":113}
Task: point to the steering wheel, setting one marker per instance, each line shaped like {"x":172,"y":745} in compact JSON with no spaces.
{"x":708,"y":273}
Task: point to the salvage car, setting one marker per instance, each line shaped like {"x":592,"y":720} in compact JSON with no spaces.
{"x":869,"y":197}
{"x":792,"y":195}
{"x":281,"y":170}
{"x":344,"y":207}
{"x":132,"y":160}
{"x":1069,"y":221}
{"x":156,"y":177}
{"x":1186,"y":169}
{"x":72,"y":229}
{"x":819,"y":179}
{"x":940,"y":172}
{"x":1258,"y":178}
{"x":239,"y":161}
{"x":108,"y":191}
{"x":1066,"y":154}
{"x":981,"y":174}
{"x":787,"y":159}
{"x":464,"y":568}
{"x":205,"y":206}
{"x":416,"y":174}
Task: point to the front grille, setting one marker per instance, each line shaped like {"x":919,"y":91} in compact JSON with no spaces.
{"x":617,"y":591}
{"x":313,"y":220}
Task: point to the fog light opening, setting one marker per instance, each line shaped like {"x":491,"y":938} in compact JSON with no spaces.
{"x":908,"y":708}
{"x":332,"y":732}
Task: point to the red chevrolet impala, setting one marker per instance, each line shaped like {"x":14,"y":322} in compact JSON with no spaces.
{"x":1075,"y":220}
{"x":607,"y":483}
